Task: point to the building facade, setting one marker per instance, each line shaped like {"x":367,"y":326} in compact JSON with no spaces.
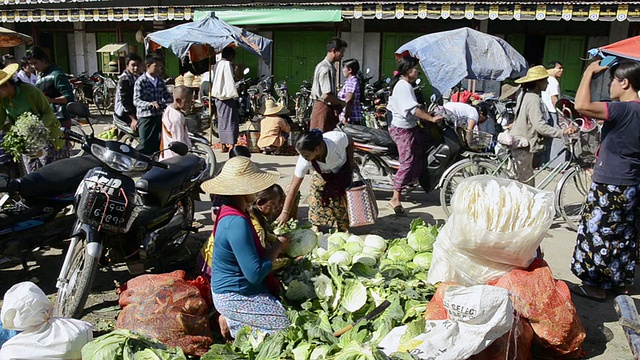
{"x":73,"y":30}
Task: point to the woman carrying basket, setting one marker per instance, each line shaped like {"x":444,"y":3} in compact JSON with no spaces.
{"x":531,"y":122}
{"x":331,"y":156}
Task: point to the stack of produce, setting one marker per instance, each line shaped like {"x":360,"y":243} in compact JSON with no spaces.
{"x":329,"y":289}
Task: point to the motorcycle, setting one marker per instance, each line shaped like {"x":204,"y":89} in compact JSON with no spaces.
{"x":34,"y":209}
{"x":304,"y":105}
{"x":376,"y":155}
{"x":142,"y":221}
{"x":376,"y":96}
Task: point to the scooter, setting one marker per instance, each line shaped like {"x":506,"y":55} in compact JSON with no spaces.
{"x":35,"y":208}
{"x":376,"y":155}
{"x":130,"y":208}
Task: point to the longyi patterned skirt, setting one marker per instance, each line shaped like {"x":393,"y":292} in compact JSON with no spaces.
{"x":605,"y":255}
{"x":261,"y":312}
{"x":334,"y":215}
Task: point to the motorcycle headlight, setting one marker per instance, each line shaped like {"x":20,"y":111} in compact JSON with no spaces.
{"x":116,"y":160}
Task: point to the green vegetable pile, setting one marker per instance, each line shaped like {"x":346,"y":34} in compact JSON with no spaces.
{"x":28,"y":135}
{"x":126,"y":345}
{"x":331,"y":288}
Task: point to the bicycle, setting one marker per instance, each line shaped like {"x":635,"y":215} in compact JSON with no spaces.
{"x":104,"y":93}
{"x":570,"y":191}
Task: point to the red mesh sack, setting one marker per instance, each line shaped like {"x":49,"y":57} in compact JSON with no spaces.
{"x":166,"y":307}
{"x":546,"y":303}
{"x":435,"y":308}
{"x":516,"y":344}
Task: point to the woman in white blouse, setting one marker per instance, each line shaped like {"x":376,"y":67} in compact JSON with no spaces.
{"x":330,"y":155}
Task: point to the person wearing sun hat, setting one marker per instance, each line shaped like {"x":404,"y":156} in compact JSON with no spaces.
{"x":17,"y":98}
{"x":531,"y":122}
{"x":273,"y":129}
{"x":244,"y":288}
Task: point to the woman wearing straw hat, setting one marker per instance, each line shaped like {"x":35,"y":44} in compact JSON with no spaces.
{"x":531,"y":122}
{"x":17,"y":98}
{"x":273,"y":128}
{"x":243,"y":286}
{"x":606,"y":251}
{"x":331,"y":156}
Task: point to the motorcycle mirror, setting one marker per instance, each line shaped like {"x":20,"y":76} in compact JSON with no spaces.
{"x":418,"y":81}
{"x":246,"y":71}
{"x":367,"y":71}
{"x":387,"y":80}
{"x":179,"y":148}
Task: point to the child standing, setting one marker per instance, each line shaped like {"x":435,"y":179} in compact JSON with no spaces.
{"x":174,"y":124}
{"x":150,"y":96}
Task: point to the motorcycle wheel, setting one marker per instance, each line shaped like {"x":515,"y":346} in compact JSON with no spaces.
{"x":100,"y":99}
{"x":71,"y":298}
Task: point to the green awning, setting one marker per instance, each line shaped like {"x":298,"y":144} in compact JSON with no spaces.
{"x":274,"y":15}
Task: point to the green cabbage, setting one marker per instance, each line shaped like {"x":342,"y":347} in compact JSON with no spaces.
{"x":355,"y":296}
{"x":341,"y":258}
{"x":423,"y":260}
{"x":353,"y":248}
{"x":376,"y":242}
{"x":372,"y":251}
{"x":400,"y":253}
{"x":297,"y":291}
{"x":337,"y":240}
{"x":323,"y":286}
{"x":303,"y":241}
{"x":422,"y":237}
{"x":365,"y":259}
{"x":356,"y":239}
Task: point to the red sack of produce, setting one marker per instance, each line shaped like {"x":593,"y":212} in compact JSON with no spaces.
{"x":546,"y":303}
{"x":166,"y":307}
{"x":516,"y":344}
{"x":435,"y":309}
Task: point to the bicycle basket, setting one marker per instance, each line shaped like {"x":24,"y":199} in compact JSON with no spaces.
{"x":474,"y":140}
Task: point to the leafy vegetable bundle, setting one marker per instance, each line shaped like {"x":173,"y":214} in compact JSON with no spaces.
{"x":28,"y":136}
{"x":332,"y":288}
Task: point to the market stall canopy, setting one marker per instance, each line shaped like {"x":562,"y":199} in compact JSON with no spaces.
{"x":627,"y":48}
{"x":448,"y":57}
{"x":275,"y":15}
{"x":10,"y":38}
{"x":112,"y":48}
{"x":201,"y":39}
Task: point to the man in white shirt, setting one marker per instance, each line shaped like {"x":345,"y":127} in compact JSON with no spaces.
{"x":224,"y":91}
{"x":550,"y":97}
{"x":466,"y":115}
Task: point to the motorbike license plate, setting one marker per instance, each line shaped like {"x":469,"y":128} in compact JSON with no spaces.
{"x":104,"y":203}
{"x":107,"y":211}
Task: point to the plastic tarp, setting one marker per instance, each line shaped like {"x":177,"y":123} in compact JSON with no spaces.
{"x":448,"y":57}
{"x":275,"y":15}
{"x":201,"y":39}
{"x":627,"y":48}
{"x":10,"y":38}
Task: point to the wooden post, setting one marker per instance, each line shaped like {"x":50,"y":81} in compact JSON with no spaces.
{"x":210,"y":114}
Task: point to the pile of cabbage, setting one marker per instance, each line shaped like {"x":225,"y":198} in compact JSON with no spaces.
{"x":330,"y":288}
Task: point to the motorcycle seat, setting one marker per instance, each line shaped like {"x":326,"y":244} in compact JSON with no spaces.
{"x":181,"y":169}
{"x":369,"y":135}
{"x":56,"y":178}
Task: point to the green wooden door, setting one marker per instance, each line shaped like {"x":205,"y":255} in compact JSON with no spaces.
{"x":104,"y":58}
{"x":296,"y":54}
{"x":171,"y":64}
{"x":517,"y":41}
{"x":130,"y":39}
{"x":61,"y":52}
{"x":249,"y":60}
{"x":390,"y":43}
{"x":567,"y":50}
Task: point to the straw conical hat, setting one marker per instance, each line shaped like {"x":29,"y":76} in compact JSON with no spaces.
{"x":536,"y":73}
{"x":271,"y":107}
{"x":507,"y":90}
{"x":240,"y":176}
{"x":8,"y":72}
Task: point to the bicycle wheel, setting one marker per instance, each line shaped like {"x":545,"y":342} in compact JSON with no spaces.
{"x":101,"y":101}
{"x":76,"y":150}
{"x":571,"y":192}
{"x":461,"y":170}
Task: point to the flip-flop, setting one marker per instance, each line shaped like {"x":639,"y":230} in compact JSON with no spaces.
{"x":398,"y":210}
{"x":621,"y":290}
{"x":583,"y":292}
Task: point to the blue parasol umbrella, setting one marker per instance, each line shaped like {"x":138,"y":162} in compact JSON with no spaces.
{"x":448,"y":57}
{"x":201,"y":39}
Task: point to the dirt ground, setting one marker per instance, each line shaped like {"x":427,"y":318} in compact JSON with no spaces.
{"x":605,"y":338}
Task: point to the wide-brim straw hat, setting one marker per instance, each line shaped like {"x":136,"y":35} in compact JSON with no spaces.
{"x":8,"y":72}
{"x":240,"y":176}
{"x":536,"y":73}
{"x":507,"y":90}
{"x":271,"y":107}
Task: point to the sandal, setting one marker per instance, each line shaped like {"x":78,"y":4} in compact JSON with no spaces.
{"x":582,"y":291}
{"x":621,"y":290}
{"x":398,"y":210}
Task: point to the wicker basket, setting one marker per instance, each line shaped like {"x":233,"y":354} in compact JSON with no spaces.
{"x":474,"y":140}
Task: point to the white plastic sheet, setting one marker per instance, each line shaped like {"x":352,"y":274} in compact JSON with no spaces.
{"x":496,"y":225}
{"x":478,"y":315}
{"x":27,"y":309}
